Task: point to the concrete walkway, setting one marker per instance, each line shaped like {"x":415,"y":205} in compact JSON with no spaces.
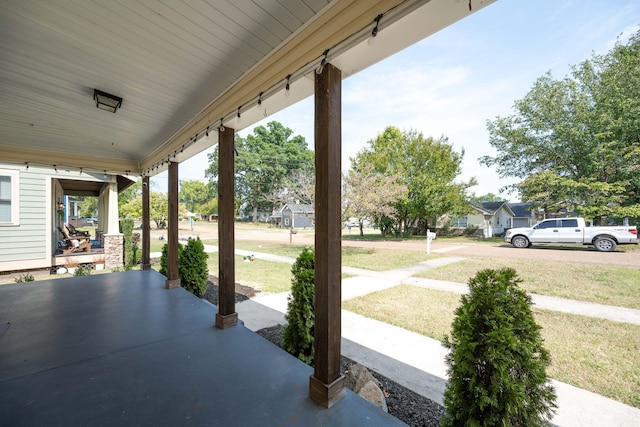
{"x":417,"y":362}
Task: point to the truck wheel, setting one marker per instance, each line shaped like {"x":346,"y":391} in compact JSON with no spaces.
{"x":605,"y":244}
{"x":520,"y":242}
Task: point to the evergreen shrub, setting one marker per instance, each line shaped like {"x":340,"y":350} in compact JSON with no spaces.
{"x":192,"y":267}
{"x":496,"y":360}
{"x":126,"y":228}
{"x":298,"y":334}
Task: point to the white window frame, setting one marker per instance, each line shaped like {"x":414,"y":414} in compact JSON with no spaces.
{"x":14,"y":176}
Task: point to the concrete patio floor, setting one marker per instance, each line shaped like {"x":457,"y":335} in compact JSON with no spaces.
{"x":119,"y":349}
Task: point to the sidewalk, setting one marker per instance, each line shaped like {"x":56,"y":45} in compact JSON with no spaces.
{"x":417,"y":362}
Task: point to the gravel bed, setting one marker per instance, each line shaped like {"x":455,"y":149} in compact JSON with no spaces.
{"x":409,"y":407}
{"x":243,"y":292}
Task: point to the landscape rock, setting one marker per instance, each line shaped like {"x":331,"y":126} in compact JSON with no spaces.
{"x":371,"y":392}
{"x":357,"y":376}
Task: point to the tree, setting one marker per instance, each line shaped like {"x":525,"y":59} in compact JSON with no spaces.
{"x":195,"y":195}
{"x":496,"y":361}
{"x":88,"y":206}
{"x":428,"y":167}
{"x":265,"y":159}
{"x":372,"y":196}
{"x":569,"y":137}
{"x":158,"y":208}
{"x":489,"y":197}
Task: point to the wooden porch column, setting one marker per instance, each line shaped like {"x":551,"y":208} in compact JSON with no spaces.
{"x":173,"y":280}
{"x":146,"y":229}
{"x":326,"y":385}
{"x":226,"y":315}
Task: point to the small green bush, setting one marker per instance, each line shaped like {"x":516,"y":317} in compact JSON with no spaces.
{"x":496,"y":361}
{"x":83,"y":270}
{"x":126,"y":228}
{"x":27,"y":277}
{"x":298,"y":334}
{"x":192,"y":267}
{"x":163,"y":258}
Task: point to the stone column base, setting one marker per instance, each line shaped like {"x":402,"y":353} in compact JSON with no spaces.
{"x":326,"y":394}
{"x":113,"y":250}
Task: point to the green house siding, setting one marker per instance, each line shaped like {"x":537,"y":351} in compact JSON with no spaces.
{"x":27,"y":241}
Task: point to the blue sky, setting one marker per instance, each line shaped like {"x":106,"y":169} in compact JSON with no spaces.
{"x":454,"y":81}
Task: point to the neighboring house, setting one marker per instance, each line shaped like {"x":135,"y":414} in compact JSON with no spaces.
{"x":34,"y":202}
{"x":293,"y":215}
{"x":523,"y":216}
{"x":490,"y":217}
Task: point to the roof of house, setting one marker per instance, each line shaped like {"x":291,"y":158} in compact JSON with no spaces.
{"x":296,"y":208}
{"x":521,"y":210}
{"x":490,"y":208}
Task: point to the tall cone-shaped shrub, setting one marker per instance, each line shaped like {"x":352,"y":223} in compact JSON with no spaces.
{"x":496,"y":361}
{"x":298,"y":334}
{"x":192,"y":268}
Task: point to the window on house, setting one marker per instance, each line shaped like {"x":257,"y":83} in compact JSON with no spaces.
{"x":286,"y":221}
{"x":8,"y":197}
{"x":459,"y":222}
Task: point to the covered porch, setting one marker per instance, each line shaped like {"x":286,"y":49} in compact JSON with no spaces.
{"x":120,"y":349}
{"x":136,"y":89}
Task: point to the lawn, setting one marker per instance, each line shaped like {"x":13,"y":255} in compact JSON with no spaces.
{"x":369,"y":259}
{"x":598,"y":355}
{"x":267,"y":276}
{"x":604,"y":285}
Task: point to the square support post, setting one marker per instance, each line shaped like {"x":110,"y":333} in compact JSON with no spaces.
{"x":173,"y":279}
{"x":146,"y":226}
{"x":326,"y":385}
{"x":226,"y":315}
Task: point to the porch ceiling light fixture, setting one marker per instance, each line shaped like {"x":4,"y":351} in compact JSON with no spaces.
{"x":106,"y":101}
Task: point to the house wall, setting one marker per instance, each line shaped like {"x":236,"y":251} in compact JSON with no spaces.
{"x":27,"y":245}
{"x":303,"y":221}
{"x":501,"y":220}
{"x":31,"y":243}
{"x":476,"y":219}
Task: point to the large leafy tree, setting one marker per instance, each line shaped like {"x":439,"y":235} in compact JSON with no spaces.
{"x":265,"y":162}
{"x":575,"y":142}
{"x":196,"y":196}
{"x":428,"y":167}
{"x":369,"y":195}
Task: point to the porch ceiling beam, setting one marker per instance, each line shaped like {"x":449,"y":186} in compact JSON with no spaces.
{"x":339,"y":21}
{"x":49,"y":158}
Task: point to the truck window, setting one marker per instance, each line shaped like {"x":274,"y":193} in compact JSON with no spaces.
{"x":569,"y":223}
{"x":548,"y":224}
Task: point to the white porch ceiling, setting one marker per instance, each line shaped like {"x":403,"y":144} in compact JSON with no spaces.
{"x":180,"y":66}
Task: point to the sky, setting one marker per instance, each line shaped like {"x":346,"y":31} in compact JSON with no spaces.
{"x":451,"y":83}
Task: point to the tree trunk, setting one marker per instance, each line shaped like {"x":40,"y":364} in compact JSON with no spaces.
{"x":361,"y":231}
{"x":255,"y":213}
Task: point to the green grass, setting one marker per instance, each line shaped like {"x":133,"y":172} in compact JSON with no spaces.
{"x":617,"y":286}
{"x":382,"y":259}
{"x":369,"y":259}
{"x":598,"y":355}
{"x":266,"y":276}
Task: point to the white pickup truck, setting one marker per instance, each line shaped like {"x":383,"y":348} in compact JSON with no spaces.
{"x":571,"y":231}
